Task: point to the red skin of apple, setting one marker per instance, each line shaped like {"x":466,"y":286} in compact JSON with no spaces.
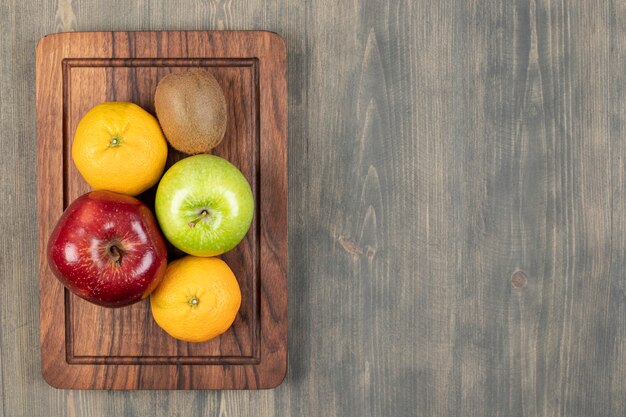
{"x":107,"y":249}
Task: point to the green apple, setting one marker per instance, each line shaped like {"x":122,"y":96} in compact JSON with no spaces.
{"x":204,"y":205}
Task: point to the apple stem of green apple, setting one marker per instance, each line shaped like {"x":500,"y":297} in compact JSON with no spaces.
{"x":195,"y":221}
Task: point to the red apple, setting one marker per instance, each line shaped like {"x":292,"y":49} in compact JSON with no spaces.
{"x":107,"y":249}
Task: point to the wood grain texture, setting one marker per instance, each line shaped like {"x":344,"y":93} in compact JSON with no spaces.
{"x":130,"y":335}
{"x":495,"y":133}
{"x":87,"y":347}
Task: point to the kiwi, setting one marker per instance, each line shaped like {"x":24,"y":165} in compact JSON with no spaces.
{"x":191,"y":108}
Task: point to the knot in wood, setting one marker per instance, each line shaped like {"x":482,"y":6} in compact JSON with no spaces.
{"x":519,"y":280}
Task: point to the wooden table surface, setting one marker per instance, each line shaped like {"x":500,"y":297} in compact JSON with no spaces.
{"x":457,"y":207}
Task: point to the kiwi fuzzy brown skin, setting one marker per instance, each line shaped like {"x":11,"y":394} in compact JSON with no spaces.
{"x":191,"y":109}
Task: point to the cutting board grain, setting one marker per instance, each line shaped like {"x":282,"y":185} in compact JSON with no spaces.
{"x":84,"y":346}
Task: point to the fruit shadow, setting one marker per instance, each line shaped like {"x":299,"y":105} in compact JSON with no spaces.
{"x":300,"y":301}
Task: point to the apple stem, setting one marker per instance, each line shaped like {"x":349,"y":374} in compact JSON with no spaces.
{"x":202,"y":215}
{"x":117,"y":256}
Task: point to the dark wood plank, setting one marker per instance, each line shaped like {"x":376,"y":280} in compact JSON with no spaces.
{"x":87,"y":347}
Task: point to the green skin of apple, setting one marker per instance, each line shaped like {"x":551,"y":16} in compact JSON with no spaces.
{"x":204,"y":205}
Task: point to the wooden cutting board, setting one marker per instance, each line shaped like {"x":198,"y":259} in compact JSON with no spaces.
{"x":84,"y":346}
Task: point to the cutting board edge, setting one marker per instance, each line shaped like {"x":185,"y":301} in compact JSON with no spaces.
{"x":55,"y":369}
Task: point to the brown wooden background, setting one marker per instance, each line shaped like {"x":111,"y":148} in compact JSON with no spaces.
{"x":457,"y":207}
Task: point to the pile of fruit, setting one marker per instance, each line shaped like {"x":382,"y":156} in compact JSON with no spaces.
{"x":109,"y":249}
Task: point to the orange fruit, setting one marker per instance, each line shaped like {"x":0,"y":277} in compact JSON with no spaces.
{"x":118,"y":146}
{"x":197,"y":300}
